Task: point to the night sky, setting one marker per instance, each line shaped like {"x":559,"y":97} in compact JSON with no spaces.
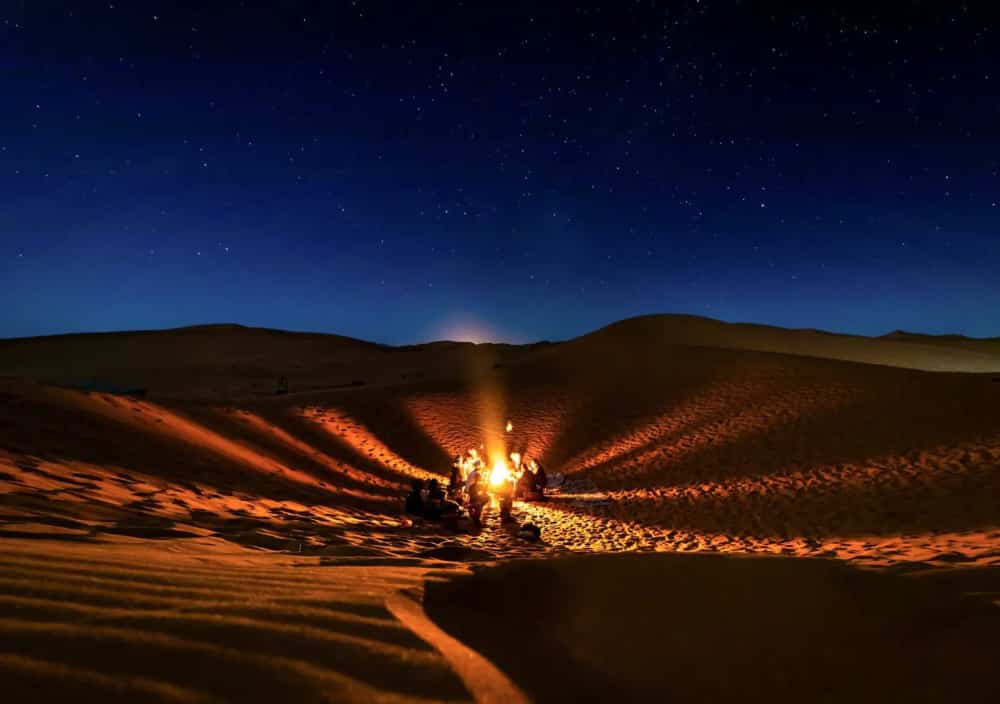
{"x":515,"y":170}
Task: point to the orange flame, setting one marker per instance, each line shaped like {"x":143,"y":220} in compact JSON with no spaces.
{"x":500,"y":473}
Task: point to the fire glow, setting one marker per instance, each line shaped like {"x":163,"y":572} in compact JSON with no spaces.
{"x":500,"y":473}
{"x":501,"y":467}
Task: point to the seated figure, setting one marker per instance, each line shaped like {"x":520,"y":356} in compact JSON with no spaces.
{"x":415,"y":500}
{"x":434,"y":501}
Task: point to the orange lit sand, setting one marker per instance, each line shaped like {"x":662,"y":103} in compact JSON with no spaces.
{"x":261,"y":536}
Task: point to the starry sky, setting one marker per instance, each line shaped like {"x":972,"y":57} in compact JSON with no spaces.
{"x":510,"y":170}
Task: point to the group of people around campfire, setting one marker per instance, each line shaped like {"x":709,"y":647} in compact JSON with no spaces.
{"x":470,"y":487}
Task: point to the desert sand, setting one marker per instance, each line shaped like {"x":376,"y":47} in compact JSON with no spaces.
{"x":214,"y":541}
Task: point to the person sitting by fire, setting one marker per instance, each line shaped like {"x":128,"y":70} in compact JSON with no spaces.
{"x":541,"y":481}
{"x":455,"y":480}
{"x":415,"y":499}
{"x":434,"y":500}
{"x":478,"y":494}
{"x":505,"y":495}
{"x":451,"y":514}
{"x":532,"y":482}
{"x":526,"y":482}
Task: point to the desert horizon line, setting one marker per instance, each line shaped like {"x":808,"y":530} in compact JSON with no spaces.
{"x":517,"y":342}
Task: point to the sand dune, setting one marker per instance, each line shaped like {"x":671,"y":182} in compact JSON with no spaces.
{"x":215,"y":522}
{"x":232,"y":361}
{"x":909,"y":350}
{"x":222,"y":361}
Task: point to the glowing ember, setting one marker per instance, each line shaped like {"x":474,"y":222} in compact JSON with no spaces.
{"x":510,"y":426}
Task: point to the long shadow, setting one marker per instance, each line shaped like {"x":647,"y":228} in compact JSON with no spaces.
{"x":358,"y":445}
{"x":540,"y":413}
{"x":931,"y":403}
{"x":884,"y":412}
{"x":390,"y":422}
{"x":891,"y":496}
{"x":458,"y":418}
{"x":280,"y":436}
{"x":879,"y":422}
{"x":679,"y":435}
{"x":174,"y":510}
{"x":64,"y":435}
{"x":321,"y":436}
{"x":714,"y":628}
{"x":620,"y":399}
{"x":892,"y":502}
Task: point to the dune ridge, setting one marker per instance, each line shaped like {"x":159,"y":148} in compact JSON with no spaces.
{"x":233,"y":362}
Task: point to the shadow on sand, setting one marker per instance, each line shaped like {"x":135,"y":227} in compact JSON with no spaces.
{"x":713,"y":628}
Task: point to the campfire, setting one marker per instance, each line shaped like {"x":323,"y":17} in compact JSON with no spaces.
{"x":485,"y":476}
{"x":502,"y":467}
{"x":500,"y":472}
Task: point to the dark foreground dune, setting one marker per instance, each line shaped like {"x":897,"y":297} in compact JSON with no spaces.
{"x":711,"y":628}
{"x":214,"y":541}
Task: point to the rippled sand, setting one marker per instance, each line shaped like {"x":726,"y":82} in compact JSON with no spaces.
{"x":212,"y":542}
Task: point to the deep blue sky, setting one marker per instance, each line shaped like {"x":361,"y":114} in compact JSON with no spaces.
{"x":405,"y":171}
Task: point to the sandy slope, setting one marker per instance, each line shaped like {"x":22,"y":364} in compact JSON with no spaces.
{"x":202,"y":621}
{"x":678,"y":434}
{"x":989,"y":345}
{"x":913,"y":351}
